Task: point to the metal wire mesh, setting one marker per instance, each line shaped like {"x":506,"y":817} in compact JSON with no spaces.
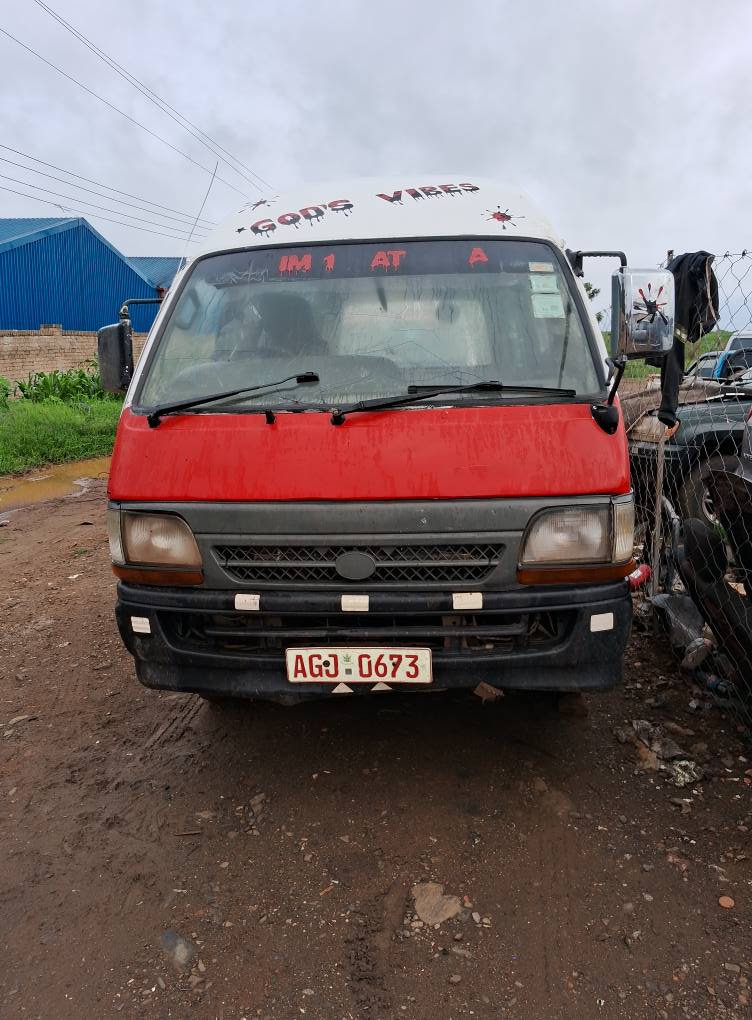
{"x":693,"y":491}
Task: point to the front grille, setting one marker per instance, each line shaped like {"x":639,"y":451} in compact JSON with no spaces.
{"x":242,"y":635}
{"x":458,"y":563}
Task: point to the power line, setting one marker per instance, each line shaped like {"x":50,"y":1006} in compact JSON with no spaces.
{"x":214,"y":147}
{"x":99,"y":184}
{"x":183,"y":221}
{"x":83,"y":201}
{"x":201,"y":209}
{"x":122,"y":113}
{"x":95,"y":216}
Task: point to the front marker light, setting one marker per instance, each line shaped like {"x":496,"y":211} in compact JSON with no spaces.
{"x":624,"y":522}
{"x":114,"y":536}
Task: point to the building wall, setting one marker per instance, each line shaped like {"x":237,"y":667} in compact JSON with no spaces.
{"x":71,"y":277}
{"x":23,"y":352}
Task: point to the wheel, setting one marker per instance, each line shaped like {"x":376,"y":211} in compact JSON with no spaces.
{"x":693,"y":498}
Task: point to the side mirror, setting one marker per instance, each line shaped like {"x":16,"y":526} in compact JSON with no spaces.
{"x":642,"y":312}
{"x":115,"y":356}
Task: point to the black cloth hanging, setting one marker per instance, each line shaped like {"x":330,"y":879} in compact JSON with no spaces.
{"x":696,"y":313}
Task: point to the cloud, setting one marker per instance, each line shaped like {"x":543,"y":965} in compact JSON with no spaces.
{"x":626,"y":123}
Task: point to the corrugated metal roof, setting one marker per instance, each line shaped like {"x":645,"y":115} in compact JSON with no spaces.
{"x":24,"y":230}
{"x":35,"y":229}
{"x":159,"y":270}
{"x":67,"y":273}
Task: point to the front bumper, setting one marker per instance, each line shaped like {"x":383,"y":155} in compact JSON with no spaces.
{"x":526,"y":639}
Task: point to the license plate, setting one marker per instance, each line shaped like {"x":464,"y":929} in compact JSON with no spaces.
{"x":359,"y":665}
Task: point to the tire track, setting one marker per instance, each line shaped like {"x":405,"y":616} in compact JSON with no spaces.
{"x":172,"y":729}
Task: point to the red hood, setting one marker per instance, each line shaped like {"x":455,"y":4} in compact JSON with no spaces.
{"x":436,"y":453}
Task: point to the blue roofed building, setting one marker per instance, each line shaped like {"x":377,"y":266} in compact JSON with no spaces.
{"x":63,"y":271}
{"x":160,"y":270}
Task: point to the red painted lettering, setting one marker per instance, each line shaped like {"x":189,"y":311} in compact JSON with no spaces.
{"x":263,"y":226}
{"x":469,"y":187}
{"x":331,"y":666}
{"x":312,"y":212}
{"x":380,"y":260}
{"x":341,"y":205}
{"x":477,"y":255}
{"x":288,"y":218}
{"x":451,"y":189}
{"x":329,"y":263}
{"x":315,"y":668}
{"x":295,"y":264}
{"x":387,"y":259}
{"x":298,"y":668}
{"x":414,"y":193}
{"x":430,"y":189}
{"x":396,"y":196}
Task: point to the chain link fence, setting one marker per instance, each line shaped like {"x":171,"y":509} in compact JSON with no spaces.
{"x":693,"y":492}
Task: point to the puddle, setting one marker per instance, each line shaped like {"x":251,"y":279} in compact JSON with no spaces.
{"x":51,"y":483}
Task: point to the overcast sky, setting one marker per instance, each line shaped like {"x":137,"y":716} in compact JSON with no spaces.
{"x":628,"y":122}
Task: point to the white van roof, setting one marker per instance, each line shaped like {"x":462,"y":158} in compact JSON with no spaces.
{"x":382,"y":208}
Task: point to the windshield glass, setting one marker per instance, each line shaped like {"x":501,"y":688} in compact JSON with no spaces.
{"x":371,"y":320}
{"x":740,"y":342}
{"x":706,"y":366}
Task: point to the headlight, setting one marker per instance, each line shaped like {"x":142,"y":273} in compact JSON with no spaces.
{"x":577,"y":535}
{"x":153,"y":549}
{"x":597,"y":534}
{"x":159,"y":540}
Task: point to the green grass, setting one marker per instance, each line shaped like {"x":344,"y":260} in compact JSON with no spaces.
{"x":714,"y":341}
{"x":33,"y":433}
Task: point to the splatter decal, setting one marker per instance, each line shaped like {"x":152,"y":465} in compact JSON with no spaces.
{"x":650,"y":306}
{"x":502,"y":216}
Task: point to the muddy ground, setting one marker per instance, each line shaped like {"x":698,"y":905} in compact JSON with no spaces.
{"x":283,"y":844}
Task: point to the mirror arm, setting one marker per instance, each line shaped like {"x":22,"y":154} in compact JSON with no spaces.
{"x":576,"y":257}
{"x":620,"y":364}
{"x":125,"y":314}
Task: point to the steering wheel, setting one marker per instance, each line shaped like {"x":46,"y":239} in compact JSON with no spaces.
{"x":203,"y":376}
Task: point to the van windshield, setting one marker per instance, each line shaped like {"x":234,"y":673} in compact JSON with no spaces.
{"x":371,"y":320}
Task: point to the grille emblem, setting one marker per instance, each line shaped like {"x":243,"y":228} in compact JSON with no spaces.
{"x":355,"y":565}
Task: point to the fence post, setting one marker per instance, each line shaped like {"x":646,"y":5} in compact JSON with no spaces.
{"x":655,"y":553}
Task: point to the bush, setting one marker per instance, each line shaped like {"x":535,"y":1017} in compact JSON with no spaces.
{"x":76,"y":384}
{"x":5,"y":389}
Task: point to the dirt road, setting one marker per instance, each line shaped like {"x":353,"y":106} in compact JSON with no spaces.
{"x":274,"y":851}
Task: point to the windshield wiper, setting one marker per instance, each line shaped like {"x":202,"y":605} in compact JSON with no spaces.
{"x":417,"y":392}
{"x":156,"y":415}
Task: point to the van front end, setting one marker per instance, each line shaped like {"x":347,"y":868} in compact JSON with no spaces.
{"x":445,"y":584}
{"x":278,"y":615}
{"x":357,"y":465}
